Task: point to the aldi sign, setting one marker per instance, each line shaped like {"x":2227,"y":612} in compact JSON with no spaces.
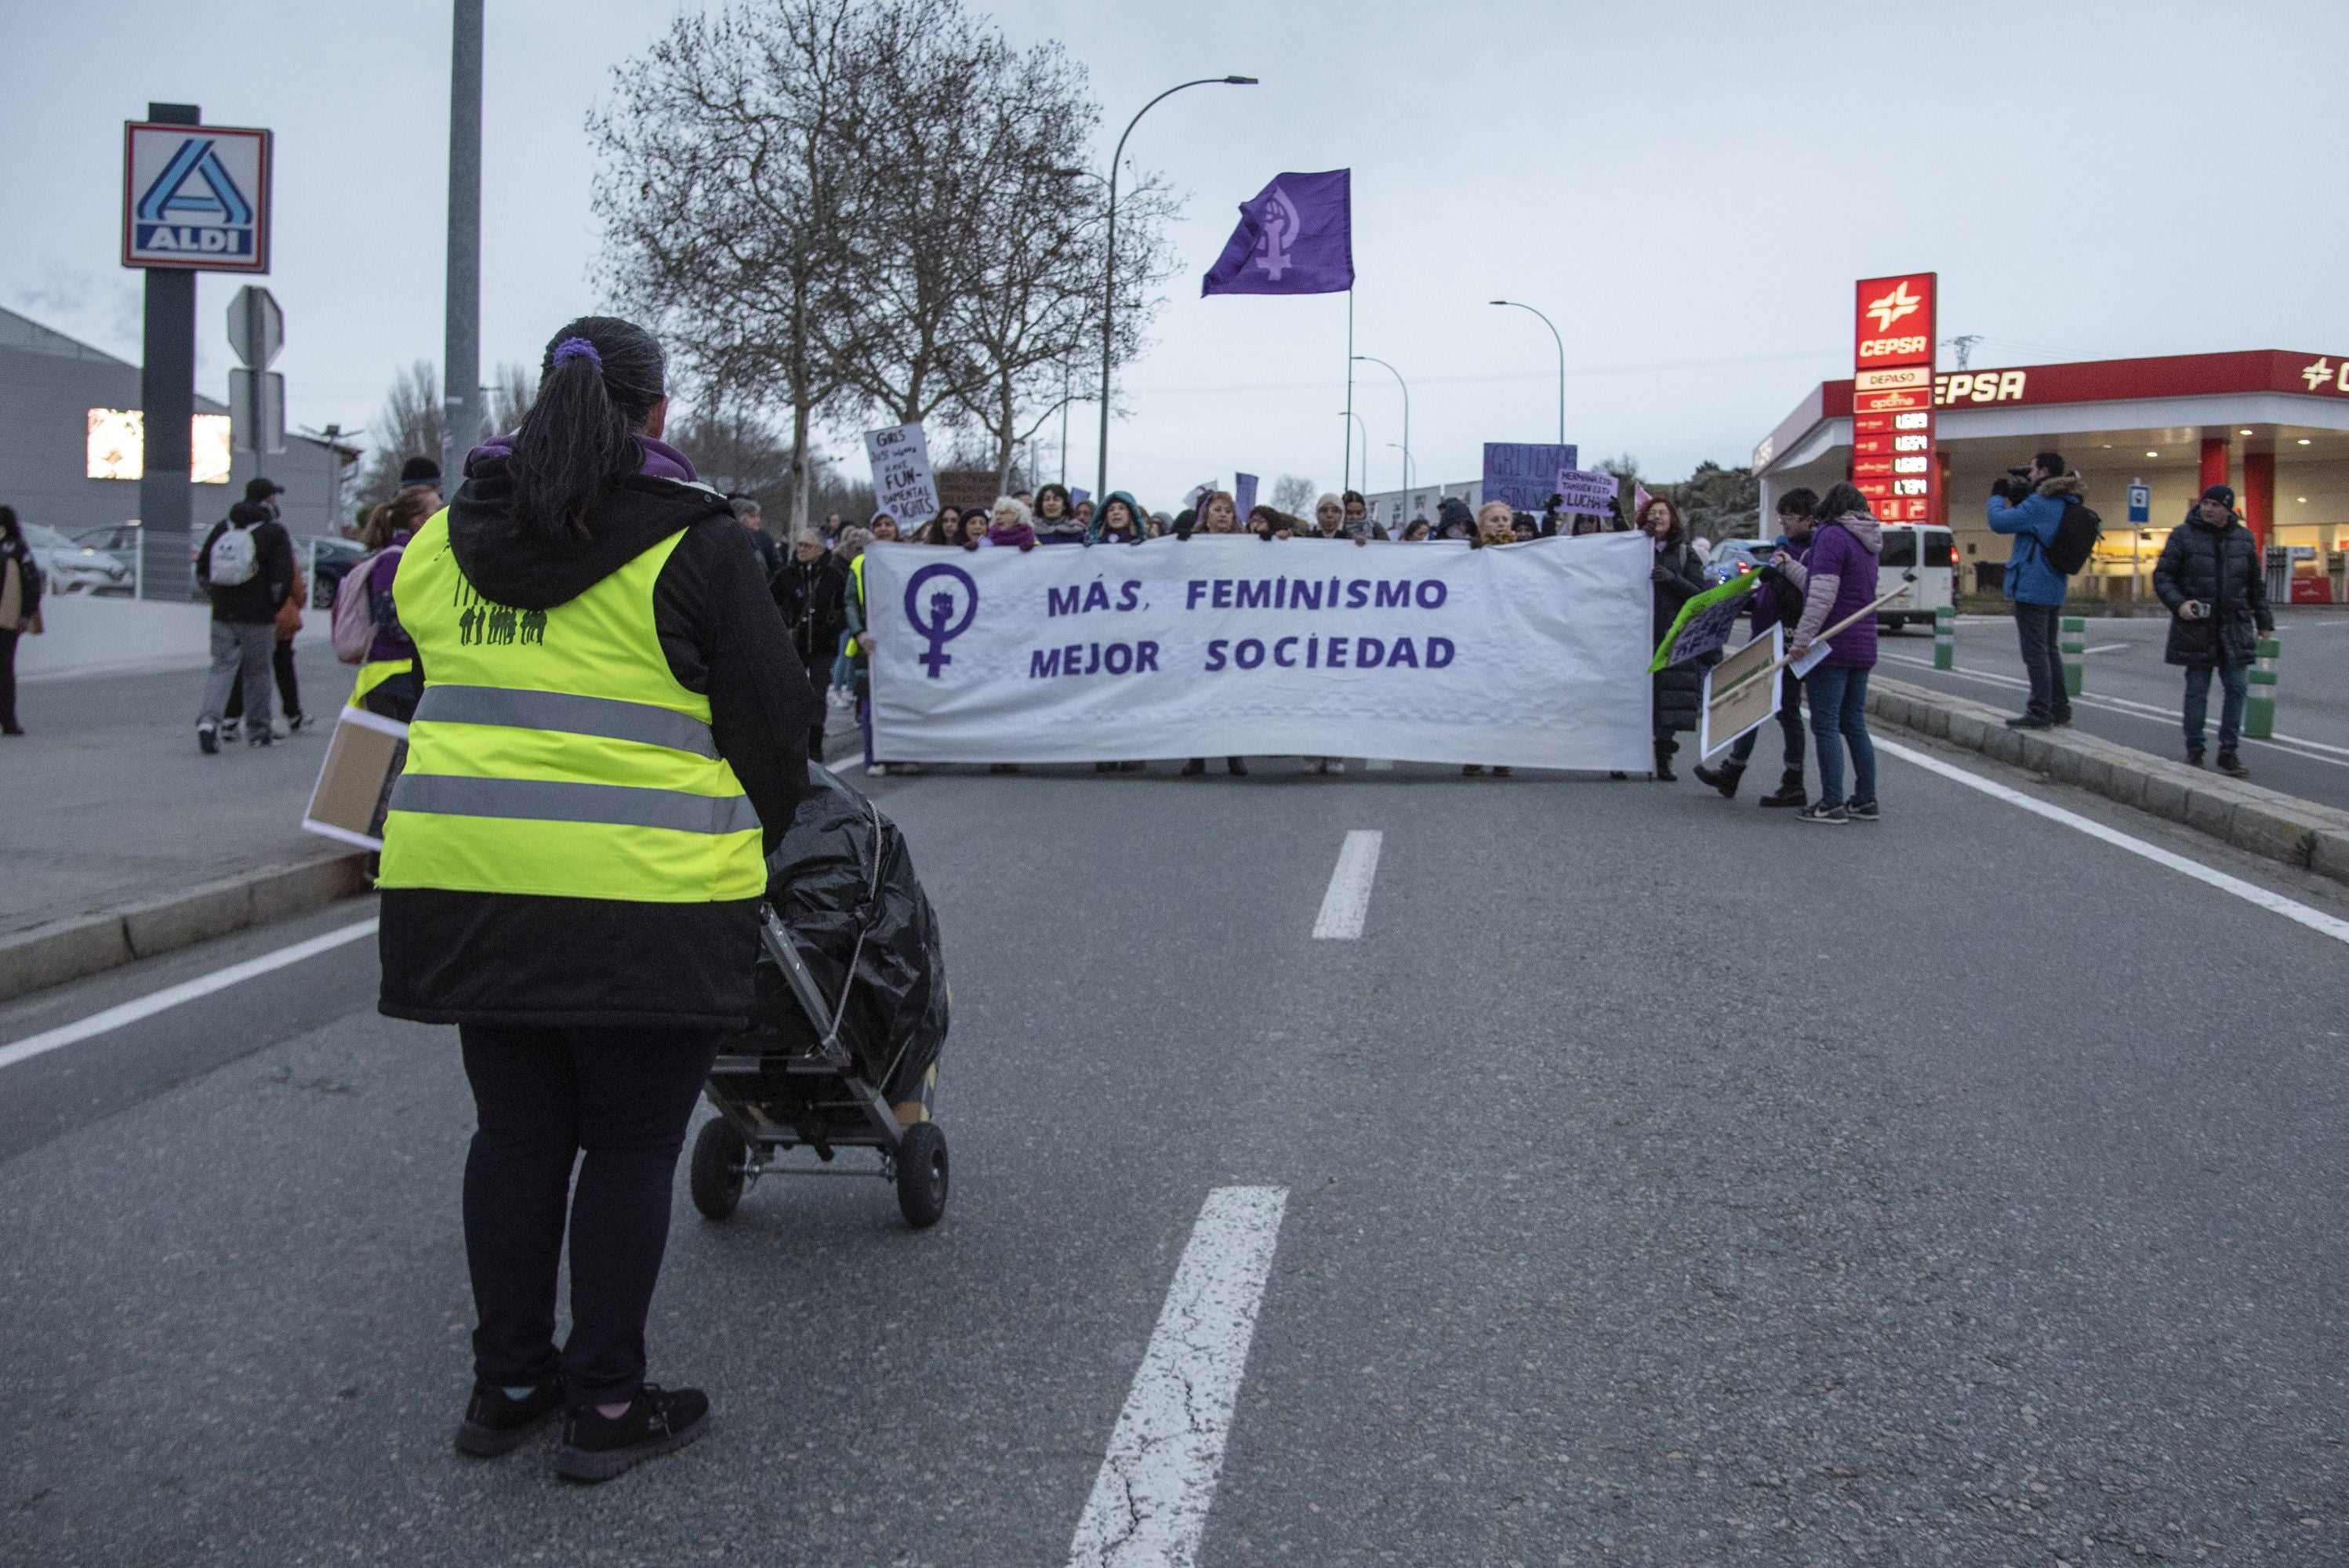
{"x":1893,"y":463}
{"x":195,"y":196}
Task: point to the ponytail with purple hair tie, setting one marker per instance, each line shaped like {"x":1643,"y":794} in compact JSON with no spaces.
{"x":576,"y":348}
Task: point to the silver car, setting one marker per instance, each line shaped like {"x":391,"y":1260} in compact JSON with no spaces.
{"x":71,"y":567}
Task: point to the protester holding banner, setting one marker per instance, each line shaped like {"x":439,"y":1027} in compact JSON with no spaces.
{"x":1220,"y":514}
{"x":1677,"y":577}
{"x":1838,"y":578}
{"x":1119,"y":521}
{"x":1777,"y":603}
{"x":1011,"y":526}
{"x":1056,"y":521}
{"x":884,"y":528}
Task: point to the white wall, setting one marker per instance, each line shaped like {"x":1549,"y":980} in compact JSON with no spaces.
{"x":85,"y":635}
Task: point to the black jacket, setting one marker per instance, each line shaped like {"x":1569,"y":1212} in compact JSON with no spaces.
{"x":519,"y":959}
{"x":1678,"y":689}
{"x":813,"y":597}
{"x":2220,"y":567}
{"x":28,"y":574}
{"x":255,"y":601}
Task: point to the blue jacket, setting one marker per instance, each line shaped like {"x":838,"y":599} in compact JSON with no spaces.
{"x":2029,"y":579}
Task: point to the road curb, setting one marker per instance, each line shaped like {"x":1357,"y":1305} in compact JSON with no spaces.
{"x":62,"y":950}
{"x":2264,"y":821}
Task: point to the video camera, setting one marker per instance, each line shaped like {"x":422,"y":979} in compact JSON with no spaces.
{"x":2015,"y":486}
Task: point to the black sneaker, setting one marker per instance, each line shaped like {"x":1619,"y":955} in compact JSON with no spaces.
{"x":2028,"y":722}
{"x":1236,"y":768}
{"x":1722,"y":779}
{"x":658,"y":1421}
{"x":495,"y":1425}
{"x":2062,"y":720}
{"x":296,"y":722}
{"x":1862,"y":811}
{"x":1832,"y":816}
{"x":1193,"y":768}
{"x":2193,"y":757}
{"x":2232,"y":766}
{"x":1788,"y":793}
{"x":208,"y":738}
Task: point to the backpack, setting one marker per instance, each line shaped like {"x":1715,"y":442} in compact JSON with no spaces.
{"x":2076,"y":534}
{"x":354,"y":618}
{"x":233,"y":558}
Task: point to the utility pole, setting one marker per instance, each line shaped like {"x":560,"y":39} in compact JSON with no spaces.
{"x":167,"y":400}
{"x":460,"y":355}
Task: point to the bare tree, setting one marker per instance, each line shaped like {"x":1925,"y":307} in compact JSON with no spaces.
{"x":511,"y":395}
{"x":1293,"y":494}
{"x":734,"y":452}
{"x":408,"y":426}
{"x":736,"y":173}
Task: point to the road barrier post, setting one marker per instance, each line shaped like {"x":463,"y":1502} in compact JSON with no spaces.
{"x":2259,"y":711}
{"x":1945,"y":637}
{"x":2074,"y":646}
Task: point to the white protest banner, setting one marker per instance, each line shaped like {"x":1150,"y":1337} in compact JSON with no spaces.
{"x":903,"y":485}
{"x":1593,"y":492}
{"x":1531,"y":654}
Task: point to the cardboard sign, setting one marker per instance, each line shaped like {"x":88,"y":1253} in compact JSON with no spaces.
{"x":1524,"y":473}
{"x":1591,"y":492}
{"x":903,"y":485}
{"x":364,"y":759}
{"x":1738,"y":695}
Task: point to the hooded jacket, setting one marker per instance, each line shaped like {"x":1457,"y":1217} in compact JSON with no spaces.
{"x":515,"y":959}
{"x":255,"y":601}
{"x":2219,"y":567}
{"x":1132,"y":509}
{"x":2029,"y":579}
{"x":1838,"y":577}
{"x":813,"y":598}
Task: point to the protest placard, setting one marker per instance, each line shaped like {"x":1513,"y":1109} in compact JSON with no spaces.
{"x":1740,"y":692}
{"x":902,"y":483}
{"x":1244,"y":494}
{"x":1704,"y":622}
{"x":1589,"y":491}
{"x":1524,"y":473}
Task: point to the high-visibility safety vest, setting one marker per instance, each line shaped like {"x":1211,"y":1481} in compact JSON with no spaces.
{"x":856,"y":570}
{"x":553,"y":753}
{"x":373,"y":675}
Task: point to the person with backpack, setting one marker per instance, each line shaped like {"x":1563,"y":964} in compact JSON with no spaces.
{"x":2211,"y":577}
{"x":366,"y":628}
{"x":2042,"y":507}
{"x":247,"y":566}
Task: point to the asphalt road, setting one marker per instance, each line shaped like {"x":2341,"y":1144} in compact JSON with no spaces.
{"x":1666,"y":1182}
{"x":2129,"y":695}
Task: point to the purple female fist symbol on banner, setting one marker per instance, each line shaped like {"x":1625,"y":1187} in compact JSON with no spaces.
{"x":941,"y":627}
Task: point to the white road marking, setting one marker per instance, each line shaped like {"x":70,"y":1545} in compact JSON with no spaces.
{"x":2109,"y":648}
{"x":2316,"y":920}
{"x":170,"y":996}
{"x":1149,"y":1504}
{"x":1348,"y":902}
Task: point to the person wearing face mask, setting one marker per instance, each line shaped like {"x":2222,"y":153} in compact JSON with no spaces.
{"x":2209,"y":576}
{"x":1356,"y":513}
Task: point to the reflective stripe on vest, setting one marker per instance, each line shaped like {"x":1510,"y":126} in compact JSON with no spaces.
{"x":554,"y":753}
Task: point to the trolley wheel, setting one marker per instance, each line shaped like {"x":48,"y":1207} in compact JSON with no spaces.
{"x":921,"y":1174}
{"x":717,"y":1173}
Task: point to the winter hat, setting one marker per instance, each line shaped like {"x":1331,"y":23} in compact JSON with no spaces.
{"x":2223,"y":494}
{"x":420,"y":471}
{"x":262,"y":489}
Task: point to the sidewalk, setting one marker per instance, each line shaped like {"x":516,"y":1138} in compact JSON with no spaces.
{"x":109,"y":802}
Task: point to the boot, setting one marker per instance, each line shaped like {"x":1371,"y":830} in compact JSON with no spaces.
{"x":1724,"y":779}
{"x":1789,"y":793}
{"x":1664,"y":750}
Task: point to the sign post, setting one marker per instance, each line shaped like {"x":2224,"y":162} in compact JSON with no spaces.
{"x":195,"y":197}
{"x":256,"y":394}
{"x":2140,"y":512}
{"x":1892,"y":458}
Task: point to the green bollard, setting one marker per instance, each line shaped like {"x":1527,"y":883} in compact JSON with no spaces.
{"x":2074,"y":646}
{"x":2259,"y":710}
{"x":1945,"y":637}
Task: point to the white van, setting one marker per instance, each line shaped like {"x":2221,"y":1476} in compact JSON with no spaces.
{"x":1932,"y":554}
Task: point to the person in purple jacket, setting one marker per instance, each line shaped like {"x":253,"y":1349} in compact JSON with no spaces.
{"x":1837,"y":579}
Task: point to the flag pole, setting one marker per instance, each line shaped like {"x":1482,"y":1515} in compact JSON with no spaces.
{"x":1348,"y":483}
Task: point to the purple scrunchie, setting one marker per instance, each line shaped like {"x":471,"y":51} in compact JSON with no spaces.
{"x":578,"y":348}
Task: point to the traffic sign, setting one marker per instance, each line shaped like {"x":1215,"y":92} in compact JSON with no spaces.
{"x":2140,"y":502}
{"x":195,"y":197}
{"x":256,"y":405}
{"x":256,"y":327}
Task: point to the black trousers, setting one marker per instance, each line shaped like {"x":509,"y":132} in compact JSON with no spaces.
{"x":289,"y":690}
{"x":8,"y":680}
{"x":2039,"y":628}
{"x":819,"y":680}
{"x":1790,"y":730}
{"x":544,"y":1095}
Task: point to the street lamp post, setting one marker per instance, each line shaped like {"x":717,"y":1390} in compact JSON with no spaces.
{"x":1374,"y":359}
{"x":1358,"y":419}
{"x":1519,"y":305}
{"x":1406,"y":464}
{"x":1109,"y":261}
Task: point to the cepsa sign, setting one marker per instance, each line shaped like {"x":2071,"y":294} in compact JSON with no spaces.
{"x":1893,"y":461}
{"x":1894,"y":322}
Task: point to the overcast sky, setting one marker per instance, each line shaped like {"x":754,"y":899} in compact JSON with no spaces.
{"x":1688,"y":189}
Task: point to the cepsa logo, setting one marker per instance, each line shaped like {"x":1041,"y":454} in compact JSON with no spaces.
{"x":1894,"y":322}
{"x":1982,"y":387}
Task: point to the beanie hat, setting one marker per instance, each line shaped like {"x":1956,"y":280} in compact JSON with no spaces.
{"x":420,"y":471}
{"x":2223,"y":494}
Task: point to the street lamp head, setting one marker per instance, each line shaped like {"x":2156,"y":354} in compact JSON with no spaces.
{"x":1500,"y":301}
{"x":1241,"y":81}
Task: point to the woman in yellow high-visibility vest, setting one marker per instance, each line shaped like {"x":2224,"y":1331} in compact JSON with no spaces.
{"x":610,"y":738}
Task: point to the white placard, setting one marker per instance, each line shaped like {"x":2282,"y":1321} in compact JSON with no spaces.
{"x":1591,"y":492}
{"x":903,"y":485}
{"x":1531,"y":654}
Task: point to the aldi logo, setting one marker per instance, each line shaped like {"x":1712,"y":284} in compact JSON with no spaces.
{"x":195,"y":196}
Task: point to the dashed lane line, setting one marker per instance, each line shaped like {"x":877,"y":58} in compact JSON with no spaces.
{"x":1348,"y":902}
{"x":1150,"y":1501}
{"x":2316,"y":920}
{"x":170,"y":996}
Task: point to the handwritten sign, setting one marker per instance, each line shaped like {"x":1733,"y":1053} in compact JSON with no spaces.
{"x":1524,"y":474}
{"x":1592,"y":492}
{"x":903,"y":485}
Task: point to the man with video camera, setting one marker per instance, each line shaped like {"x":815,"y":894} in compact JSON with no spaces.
{"x":2031,"y":504}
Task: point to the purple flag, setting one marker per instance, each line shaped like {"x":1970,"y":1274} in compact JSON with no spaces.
{"x":1297,"y":237}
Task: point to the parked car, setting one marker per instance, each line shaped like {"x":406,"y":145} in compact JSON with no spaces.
{"x":325,"y":559}
{"x":1932,"y":553}
{"x":1735,"y":558}
{"x":73,"y":568}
